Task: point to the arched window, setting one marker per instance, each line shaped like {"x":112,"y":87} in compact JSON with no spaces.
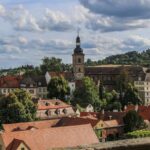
{"x":79,"y":70}
{"x":79,"y":60}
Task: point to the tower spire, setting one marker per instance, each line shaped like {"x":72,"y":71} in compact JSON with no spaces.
{"x":78,"y":38}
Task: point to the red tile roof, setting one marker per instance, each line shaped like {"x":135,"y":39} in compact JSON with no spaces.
{"x":67,"y":75}
{"x":10,"y":81}
{"x":144,"y":111}
{"x":106,"y":116}
{"x":113,"y":123}
{"x":29,"y":125}
{"x":51,"y":104}
{"x":67,"y":121}
{"x":59,"y":137}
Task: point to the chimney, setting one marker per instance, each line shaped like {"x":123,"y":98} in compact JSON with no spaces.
{"x":136,"y":107}
{"x":125,"y":108}
{"x":103,"y":112}
{"x":110,"y":117}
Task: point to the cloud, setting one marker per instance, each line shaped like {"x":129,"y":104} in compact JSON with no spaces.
{"x":121,"y":9}
{"x":99,"y":47}
{"x":22,"y":20}
{"x":113,"y":15}
{"x":56,"y":21}
{"x":2,"y":10}
{"x":19,"y":50}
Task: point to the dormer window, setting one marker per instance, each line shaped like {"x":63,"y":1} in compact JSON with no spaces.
{"x":47,"y":104}
{"x":57,"y":111}
{"x":57,"y":103}
{"x":65,"y":111}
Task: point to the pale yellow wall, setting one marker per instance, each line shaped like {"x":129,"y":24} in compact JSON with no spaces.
{"x":100,"y":125}
{"x":1,"y":143}
{"x":22,"y":146}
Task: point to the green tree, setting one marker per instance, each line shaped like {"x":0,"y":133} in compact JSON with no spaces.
{"x":17,"y":107}
{"x":87,"y":93}
{"x":122,"y":80}
{"x":51,"y":64}
{"x":101,"y":90}
{"x":58,"y":88}
{"x":131,"y":96}
{"x":133,"y":121}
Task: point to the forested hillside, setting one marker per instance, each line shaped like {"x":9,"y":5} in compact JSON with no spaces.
{"x":133,"y":57}
{"x":56,"y":64}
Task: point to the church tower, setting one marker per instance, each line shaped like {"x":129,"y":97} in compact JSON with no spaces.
{"x":78,"y":61}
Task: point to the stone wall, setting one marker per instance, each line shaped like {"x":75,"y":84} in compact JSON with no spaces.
{"x":128,"y":144}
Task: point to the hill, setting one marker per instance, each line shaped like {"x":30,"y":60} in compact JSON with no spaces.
{"x":130,"y":58}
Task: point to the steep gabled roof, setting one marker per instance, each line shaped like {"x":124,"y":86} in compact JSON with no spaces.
{"x":10,"y":81}
{"x":14,"y":145}
{"x":29,"y":125}
{"x":60,"y":137}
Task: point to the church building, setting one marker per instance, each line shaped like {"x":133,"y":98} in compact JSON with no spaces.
{"x":78,"y":61}
{"x":107,"y":74}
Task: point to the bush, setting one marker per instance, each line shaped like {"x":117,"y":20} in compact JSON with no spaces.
{"x":138,"y":134}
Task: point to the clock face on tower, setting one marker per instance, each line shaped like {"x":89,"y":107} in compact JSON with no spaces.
{"x":79,"y":75}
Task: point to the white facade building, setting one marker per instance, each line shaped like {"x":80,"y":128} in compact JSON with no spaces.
{"x":143,"y":88}
{"x":66,"y":75}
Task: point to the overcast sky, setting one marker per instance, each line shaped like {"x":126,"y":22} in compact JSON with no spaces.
{"x":32,"y":29}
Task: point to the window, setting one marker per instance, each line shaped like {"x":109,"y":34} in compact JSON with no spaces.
{"x":31,"y":91}
{"x":4,"y":90}
{"x":40,"y":90}
{"x":79,"y":60}
{"x":22,"y":148}
{"x":44,"y":89}
{"x":57,"y":111}
{"x":79,"y":70}
{"x":65,"y":111}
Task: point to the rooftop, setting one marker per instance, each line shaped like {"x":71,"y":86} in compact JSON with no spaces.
{"x":60,"y":137}
{"x":29,"y":125}
{"x":51,"y":104}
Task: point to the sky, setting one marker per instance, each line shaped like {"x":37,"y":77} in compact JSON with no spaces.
{"x":33,"y":29}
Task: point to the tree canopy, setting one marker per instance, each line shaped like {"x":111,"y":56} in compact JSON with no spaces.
{"x":54,"y":64}
{"x":58,"y":88}
{"x":87,"y":93}
{"x":132,"y":58}
{"x":131,"y":96}
{"x":133,"y":121}
{"x":17,"y":107}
